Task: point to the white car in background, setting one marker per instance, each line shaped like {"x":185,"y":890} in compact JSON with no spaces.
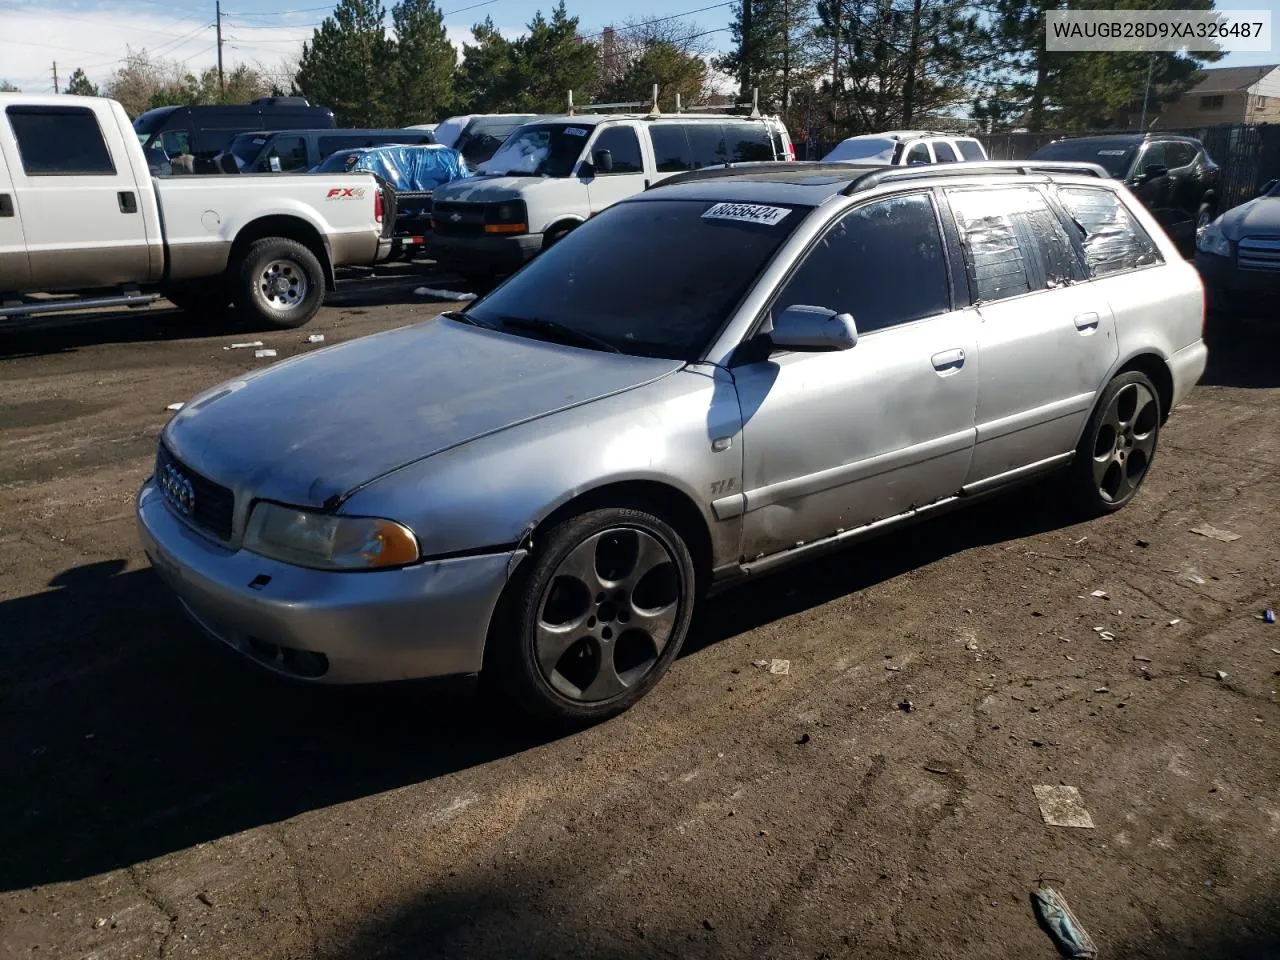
{"x":902,"y":148}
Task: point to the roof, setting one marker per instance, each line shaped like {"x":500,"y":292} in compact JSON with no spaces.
{"x":1228,"y":79}
{"x":1130,"y":138}
{"x":591,"y":119}
{"x":810,"y":183}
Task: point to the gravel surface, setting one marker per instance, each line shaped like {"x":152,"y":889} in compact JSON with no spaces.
{"x":162,"y":798}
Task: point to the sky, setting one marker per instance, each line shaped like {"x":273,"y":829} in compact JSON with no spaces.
{"x":97,"y":35}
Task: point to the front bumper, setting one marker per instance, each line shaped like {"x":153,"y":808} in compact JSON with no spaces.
{"x":489,"y":253}
{"x":427,"y":620}
{"x":1230,"y":288}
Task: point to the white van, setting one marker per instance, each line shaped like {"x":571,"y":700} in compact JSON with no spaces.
{"x":906,"y":148}
{"x":553,"y":174}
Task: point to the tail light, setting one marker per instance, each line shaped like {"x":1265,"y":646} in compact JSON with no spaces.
{"x":377,"y":205}
{"x":791,"y":151}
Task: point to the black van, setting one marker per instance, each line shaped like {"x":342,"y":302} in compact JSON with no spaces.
{"x":294,"y":151}
{"x":202,"y":132}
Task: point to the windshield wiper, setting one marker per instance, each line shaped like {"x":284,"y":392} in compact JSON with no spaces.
{"x":464,"y":318}
{"x":566,"y":333}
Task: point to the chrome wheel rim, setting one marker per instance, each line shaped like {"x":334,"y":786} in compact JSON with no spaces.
{"x":607,"y":614}
{"x":1125,"y":443}
{"x":283,"y":285}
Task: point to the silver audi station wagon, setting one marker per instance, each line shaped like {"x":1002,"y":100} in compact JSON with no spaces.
{"x":707,"y":381}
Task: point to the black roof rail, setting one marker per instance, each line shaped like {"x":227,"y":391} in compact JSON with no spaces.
{"x":969,"y":168}
{"x":780,"y":168}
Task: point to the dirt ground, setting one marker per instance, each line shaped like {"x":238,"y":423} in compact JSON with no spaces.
{"x":159,"y":797}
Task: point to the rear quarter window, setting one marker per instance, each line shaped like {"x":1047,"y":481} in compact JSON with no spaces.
{"x":1113,"y":241}
{"x":971,"y":150}
{"x":749,"y":142}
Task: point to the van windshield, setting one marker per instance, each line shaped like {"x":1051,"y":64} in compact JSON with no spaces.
{"x":864,"y":149}
{"x":539,"y":150}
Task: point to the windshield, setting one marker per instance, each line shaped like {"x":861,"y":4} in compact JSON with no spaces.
{"x":247,"y":146}
{"x":595,"y":284}
{"x":539,"y":150}
{"x":868,"y":149}
{"x":447,"y":131}
{"x":1114,"y":155}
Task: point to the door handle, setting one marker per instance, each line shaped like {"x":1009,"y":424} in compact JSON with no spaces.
{"x":6,"y":205}
{"x":948,"y":359}
{"x":1086,"y":321}
{"x":128,"y":201}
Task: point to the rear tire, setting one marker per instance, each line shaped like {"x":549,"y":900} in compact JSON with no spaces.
{"x":1118,"y":446}
{"x":596,"y":620}
{"x":278,"y":283}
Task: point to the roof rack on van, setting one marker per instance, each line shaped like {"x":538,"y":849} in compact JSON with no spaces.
{"x":652,"y":104}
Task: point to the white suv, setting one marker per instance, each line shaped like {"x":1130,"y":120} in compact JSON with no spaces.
{"x":903,"y":148}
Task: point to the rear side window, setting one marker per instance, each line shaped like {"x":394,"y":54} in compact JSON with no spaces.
{"x":670,"y":148}
{"x":971,"y":150}
{"x":943,"y":152}
{"x":1113,"y":240}
{"x":60,"y":141}
{"x":1180,"y":154}
{"x":919,"y":154}
{"x":706,"y":144}
{"x":998,"y":262}
{"x":288,"y":152}
{"x":749,"y":142}
{"x":621,"y":142}
{"x":882,"y":263}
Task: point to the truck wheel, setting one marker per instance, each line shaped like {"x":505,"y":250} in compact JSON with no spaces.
{"x":279,"y":283}
{"x":202,"y":299}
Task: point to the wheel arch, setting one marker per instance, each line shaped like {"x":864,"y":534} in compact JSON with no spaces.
{"x":288,"y":228}
{"x":1157,"y":370}
{"x":566,"y":224}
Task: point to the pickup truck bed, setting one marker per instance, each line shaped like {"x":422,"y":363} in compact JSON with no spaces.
{"x":80,"y":212}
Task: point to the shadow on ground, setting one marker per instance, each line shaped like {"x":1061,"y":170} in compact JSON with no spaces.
{"x":125,"y":735}
{"x":1239,"y":351}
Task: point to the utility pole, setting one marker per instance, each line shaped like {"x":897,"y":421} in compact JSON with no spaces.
{"x":744,"y":50}
{"x":217,"y":6}
{"x":1146,"y":93}
{"x":786,"y":60}
{"x":56,"y":89}
{"x":835,"y":60}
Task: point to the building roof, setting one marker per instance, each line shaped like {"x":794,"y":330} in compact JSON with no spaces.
{"x":1229,"y":79}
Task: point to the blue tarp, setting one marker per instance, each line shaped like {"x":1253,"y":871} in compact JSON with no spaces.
{"x":414,"y":169}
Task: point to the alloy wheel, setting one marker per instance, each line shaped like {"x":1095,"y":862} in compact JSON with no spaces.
{"x":1125,"y":442}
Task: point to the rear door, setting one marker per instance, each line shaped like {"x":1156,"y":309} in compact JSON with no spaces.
{"x":15,"y":273}
{"x":81,"y":211}
{"x":1047,"y":338}
{"x":627,"y":176}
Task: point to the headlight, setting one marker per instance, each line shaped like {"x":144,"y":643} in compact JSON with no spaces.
{"x":326,"y":541}
{"x":1212,"y":240}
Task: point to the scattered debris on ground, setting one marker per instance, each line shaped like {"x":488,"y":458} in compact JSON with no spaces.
{"x":244,"y":346}
{"x":444,"y":294}
{"x":1101,"y":595}
{"x":175,"y":406}
{"x":1213,"y":533}
{"x":1057,"y":920}
{"x":906,"y":706}
{"x":261,"y":354}
{"x":1062,"y":806}
{"x":316,"y":338}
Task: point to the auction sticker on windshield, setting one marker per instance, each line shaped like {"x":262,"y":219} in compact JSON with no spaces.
{"x":747,"y":213}
{"x":574,"y":132}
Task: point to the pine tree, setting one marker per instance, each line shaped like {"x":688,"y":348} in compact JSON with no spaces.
{"x":424,"y":65}
{"x":483,"y":82}
{"x":346,"y":65}
{"x":772,"y":52}
{"x":80,"y":86}
{"x":552,"y":59}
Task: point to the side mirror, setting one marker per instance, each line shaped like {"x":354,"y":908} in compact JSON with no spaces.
{"x":602,"y":160}
{"x":813,"y":330}
{"x":1267,"y":187}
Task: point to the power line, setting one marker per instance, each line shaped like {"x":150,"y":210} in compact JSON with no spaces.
{"x":675,"y":16}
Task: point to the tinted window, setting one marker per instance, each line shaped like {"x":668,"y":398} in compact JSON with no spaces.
{"x":1114,"y":155}
{"x":749,"y":142}
{"x":670,"y":148}
{"x":589,"y":281}
{"x":919,"y":154}
{"x":176,"y":142}
{"x":1155,"y":155}
{"x":328,"y":145}
{"x":622,"y":143}
{"x":883,"y":264}
{"x":285,"y":153}
{"x":706,"y":144}
{"x":1180,"y":154}
{"x":56,"y":141}
{"x":971,"y":150}
{"x":1113,"y":241}
{"x":997,"y":263}
{"x":943,"y":152}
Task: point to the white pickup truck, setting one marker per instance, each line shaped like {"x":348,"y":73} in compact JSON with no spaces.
{"x":81,"y":214}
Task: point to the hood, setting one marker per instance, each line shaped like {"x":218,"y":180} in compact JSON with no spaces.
{"x":1258,"y":217}
{"x":310,"y":430}
{"x":488,"y":188}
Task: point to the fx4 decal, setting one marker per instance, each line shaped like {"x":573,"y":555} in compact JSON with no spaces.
{"x":344,"y":193}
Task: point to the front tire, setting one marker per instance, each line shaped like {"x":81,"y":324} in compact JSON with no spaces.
{"x":1118,"y":446}
{"x":597,"y":620}
{"x":278,"y":283}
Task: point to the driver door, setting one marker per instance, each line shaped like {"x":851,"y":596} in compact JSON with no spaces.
{"x":627,"y":176}
{"x":834,"y":441}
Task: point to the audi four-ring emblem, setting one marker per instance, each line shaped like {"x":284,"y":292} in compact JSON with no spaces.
{"x":178,"y":489}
